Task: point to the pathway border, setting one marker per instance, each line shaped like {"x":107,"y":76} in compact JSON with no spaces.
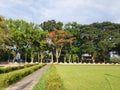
{"x":29,"y":81}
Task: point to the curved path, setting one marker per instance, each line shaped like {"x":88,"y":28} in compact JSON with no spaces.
{"x":29,"y":81}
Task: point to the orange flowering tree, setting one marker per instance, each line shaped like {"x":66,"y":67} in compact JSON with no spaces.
{"x":58,"y":39}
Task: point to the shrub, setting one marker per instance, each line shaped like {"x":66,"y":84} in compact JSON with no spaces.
{"x":53,"y":80}
{"x":115,"y":59}
{"x":29,"y":65}
{"x":9,"y":69}
{"x":50,"y":80}
{"x":12,"y":77}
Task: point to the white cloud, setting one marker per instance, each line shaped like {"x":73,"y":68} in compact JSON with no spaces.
{"x":82,"y":11}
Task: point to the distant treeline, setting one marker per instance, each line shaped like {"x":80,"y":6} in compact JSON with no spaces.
{"x":52,"y":41}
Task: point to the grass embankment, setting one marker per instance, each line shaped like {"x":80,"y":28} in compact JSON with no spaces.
{"x":14,"y":76}
{"x":90,"y":77}
{"x":50,"y":80}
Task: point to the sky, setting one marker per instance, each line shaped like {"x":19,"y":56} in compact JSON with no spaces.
{"x":81,"y":11}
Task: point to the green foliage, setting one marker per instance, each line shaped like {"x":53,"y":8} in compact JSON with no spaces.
{"x":73,"y":28}
{"x":96,"y":38}
{"x":74,"y":57}
{"x":3,"y":30}
{"x":29,"y":65}
{"x":27,"y":37}
{"x":4,"y":36}
{"x":53,"y":80}
{"x":9,"y":69}
{"x":50,"y":25}
{"x":115,"y":59}
{"x":12,"y":77}
{"x":13,"y":68}
{"x":50,"y":80}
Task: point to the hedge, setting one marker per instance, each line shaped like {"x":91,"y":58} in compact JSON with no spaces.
{"x":50,"y":80}
{"x":9,"y":69}
{"x":29,"y":65}
{"x":12,"y":77}
{"x":13,"y":68}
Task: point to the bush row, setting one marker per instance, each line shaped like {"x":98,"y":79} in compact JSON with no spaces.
{"x":53,"y":80}
{"x":12,"y":77}
{"x":29,"y":65}
{"x":9,"y":69}
{"x":13,"y":68}
{"x":50,"y":80}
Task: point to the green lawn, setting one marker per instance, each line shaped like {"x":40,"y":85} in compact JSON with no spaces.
{"x":50,"y":80}
{"x":90,"y":77}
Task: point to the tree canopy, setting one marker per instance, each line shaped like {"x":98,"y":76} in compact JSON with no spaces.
{"x":53,"y":41}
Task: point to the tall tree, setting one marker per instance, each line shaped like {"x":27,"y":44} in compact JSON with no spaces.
{"x":58,"y":39}
{"x":50,"y":25}
{"x":4,"y":33}
{"x":4,"y":37}
{"x":73,"y":50}
{"x":108,"y":38}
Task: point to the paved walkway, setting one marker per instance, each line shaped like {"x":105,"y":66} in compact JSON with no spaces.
{"x":29,"y":81}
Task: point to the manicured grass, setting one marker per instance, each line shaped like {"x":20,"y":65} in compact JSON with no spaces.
{"x":90,"y":77}
{"x":50,"y":80}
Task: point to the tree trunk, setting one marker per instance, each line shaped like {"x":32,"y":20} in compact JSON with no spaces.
{"x":77,"y":60}
{"x":51,"y":57}
{"x":72,"y":59}
{"x":38,"y":57}
{"x":25,"y":57}
{"x":41,"y":58}
{"x":93,"y":58}
{"x":69,"y":58}
{"x":104,"y":60}
{"x":57,"y":54}
{"x":64,"y":59}
{"x":8,"y":58}
{"x":32,"y":58}
{"x":57,"y":59}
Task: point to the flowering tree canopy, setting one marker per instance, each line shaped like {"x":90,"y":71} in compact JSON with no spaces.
{"x":58,"y":40}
